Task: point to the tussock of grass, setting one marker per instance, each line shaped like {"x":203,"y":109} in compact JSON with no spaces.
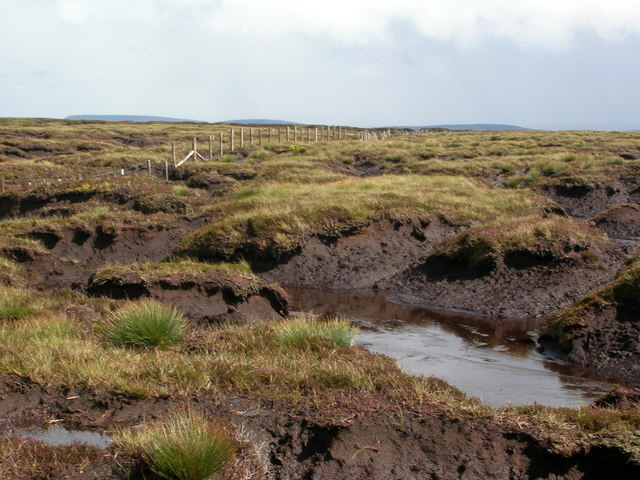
{"x":18,"y":304}
{"x":144,"y":324}
{"x":185,"y":447}
{"x":306,"y":330}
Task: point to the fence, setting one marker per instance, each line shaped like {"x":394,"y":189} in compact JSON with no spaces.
{"x":161,"y":170}
{"x":226,"y":142}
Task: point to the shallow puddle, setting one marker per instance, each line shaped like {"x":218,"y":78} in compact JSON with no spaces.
{"x":58,"y":436}
{"x":495,"y":360}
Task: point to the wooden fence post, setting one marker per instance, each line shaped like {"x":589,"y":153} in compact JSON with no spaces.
{"x":210,"y":147}
{"x":195,"y":149}
{"x":173,"y":148}
{"x":231,"y":142}
{"x":295,"y":134}
{"x":288,"y":132}
{"x":221,"y":144}
{"x":316,"y":134}
{"x":148,"y":170}
{"x":166,"y":171}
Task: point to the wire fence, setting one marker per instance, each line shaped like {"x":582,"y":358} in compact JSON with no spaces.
{"x":160,"y":170}
{"x":227,"y":143}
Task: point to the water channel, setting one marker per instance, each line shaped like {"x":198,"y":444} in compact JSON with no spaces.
{"x":496,"y":360}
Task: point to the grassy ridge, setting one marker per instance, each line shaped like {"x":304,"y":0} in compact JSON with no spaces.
{"x":274,"y":219}
{"x":543,"y":239}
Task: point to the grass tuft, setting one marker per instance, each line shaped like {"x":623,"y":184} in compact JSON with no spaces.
{"x":145,"y":324}
{"x":186,"y":447}
{"x":305,"y":330}
{"x":17,"y":304}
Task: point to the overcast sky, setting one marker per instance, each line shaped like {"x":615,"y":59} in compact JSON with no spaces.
{"x":557,"y":64}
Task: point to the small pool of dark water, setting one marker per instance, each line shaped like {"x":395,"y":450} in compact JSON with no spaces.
{"x":58,"y":436}
{"x":496,"y":360}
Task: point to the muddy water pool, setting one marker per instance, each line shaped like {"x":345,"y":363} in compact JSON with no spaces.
{"x":59,"y":436}
{"x":496,"y":360}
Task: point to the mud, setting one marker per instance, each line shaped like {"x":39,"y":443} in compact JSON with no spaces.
{"x":608,"y":342}
{"x":212,"y":298}
{"x":410,"y":447}
{"x":620,"y":221}
{"x":584,"y":201}
{"x":360,"y":259}
{"x":519,"y":286}
{"x":74,"y":254}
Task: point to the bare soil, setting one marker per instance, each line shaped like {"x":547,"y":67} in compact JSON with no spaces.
{"x":360,"y":259}
{"x":372,"y":441}
{"x":73,"y":255}
{"x":212,"y":298}
{"x":608,"y":342}
{"x":520,"y":285}
{"x":620,"y":221}
{"x":586,"y":201}
{"x":396,"y":257}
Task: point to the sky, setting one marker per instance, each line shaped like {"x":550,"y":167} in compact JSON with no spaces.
{"x":548,"y":64}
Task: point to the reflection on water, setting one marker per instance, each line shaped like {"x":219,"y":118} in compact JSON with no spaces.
{"x":58,"y":436}
{"x":495,"y":360}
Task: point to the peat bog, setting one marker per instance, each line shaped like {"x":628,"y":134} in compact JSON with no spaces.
{"x":521,"y":231}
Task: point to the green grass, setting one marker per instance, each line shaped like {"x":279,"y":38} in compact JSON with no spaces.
{"x":144,"y":324}
{"x":272,"y":220}
{"x":185,"y":447}
{"x":304,"y":331}
{"x":250,"y":359}
{"x":19,"y":304}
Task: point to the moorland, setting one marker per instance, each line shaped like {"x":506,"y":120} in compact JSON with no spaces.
{"x":147,"y":302}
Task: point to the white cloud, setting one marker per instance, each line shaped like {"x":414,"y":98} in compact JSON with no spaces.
{"x":542,"y":23}
{"x":355,"y":61}
{"x":545,"y":23}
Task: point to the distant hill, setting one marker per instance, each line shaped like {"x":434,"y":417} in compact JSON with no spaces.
{"x":261,"y":121}
{"x":472,"y":126}
{"x":129,"y":118}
